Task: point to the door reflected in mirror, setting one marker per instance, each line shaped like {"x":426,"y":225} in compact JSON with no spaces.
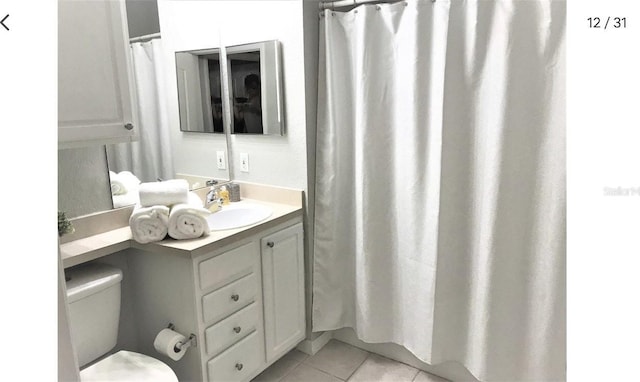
{"x":200,"y":91}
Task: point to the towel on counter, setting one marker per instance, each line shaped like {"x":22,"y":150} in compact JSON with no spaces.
{"x":117,"y":187}
{"x":189,"y":220}
{"x":149,"y":224}
{"x":128,"y":199}
{"x":167,"y":193}
{"x":123,"y":182}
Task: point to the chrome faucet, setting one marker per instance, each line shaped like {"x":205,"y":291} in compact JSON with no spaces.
{"x":213,"y":197}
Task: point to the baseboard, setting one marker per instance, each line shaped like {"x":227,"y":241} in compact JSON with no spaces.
{"x":311,"y":347}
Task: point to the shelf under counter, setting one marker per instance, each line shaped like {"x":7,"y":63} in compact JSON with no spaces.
{"x":95,"y":246}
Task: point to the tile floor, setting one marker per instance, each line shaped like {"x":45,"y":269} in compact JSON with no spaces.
{"x":338,"y":361}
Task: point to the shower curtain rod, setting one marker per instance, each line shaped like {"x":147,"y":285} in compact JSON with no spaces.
{"x":146,"y":37}
{"x":347,"y":3}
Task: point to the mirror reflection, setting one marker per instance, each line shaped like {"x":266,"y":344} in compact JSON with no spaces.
{"x":159,"y":153}
{"x":149,"y":158}
{"x":244,"y":69}
{"x":200,"y":91}
{"x":255,"y":84}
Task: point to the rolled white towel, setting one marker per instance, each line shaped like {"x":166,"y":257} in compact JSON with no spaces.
{"x":129,"y":179}
{"x":123,"y":182}
{"x":149,"y":224}
{"x":117,"y":186}
{"x":188,"y":220}
{"x":167,"y":193}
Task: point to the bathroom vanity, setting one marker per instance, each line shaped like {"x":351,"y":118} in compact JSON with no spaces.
{"x":244,"y":301}
{"x":240,"y":291}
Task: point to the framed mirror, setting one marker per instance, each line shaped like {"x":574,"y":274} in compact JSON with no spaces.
{"x":159,"y":153}
{"x":199,"y":78}
{"x":255,"y":88}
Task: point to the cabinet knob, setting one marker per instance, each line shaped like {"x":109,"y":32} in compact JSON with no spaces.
{"x":270,"y":244}
{"x":129,"y":126}
{"x":237,"y":329}
{"x":235,"y":297}
{"x":239,"y":366}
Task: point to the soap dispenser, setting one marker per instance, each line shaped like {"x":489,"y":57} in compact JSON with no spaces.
{"x":224,"y":195}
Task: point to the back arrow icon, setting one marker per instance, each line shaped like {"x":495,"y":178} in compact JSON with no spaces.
{"x":2,"y":22}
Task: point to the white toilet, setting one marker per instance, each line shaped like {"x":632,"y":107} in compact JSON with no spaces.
{"x":93,"y":292}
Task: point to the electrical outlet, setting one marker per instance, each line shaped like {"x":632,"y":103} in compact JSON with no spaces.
{"x":221,"y":160}
{"x":244,"y":162}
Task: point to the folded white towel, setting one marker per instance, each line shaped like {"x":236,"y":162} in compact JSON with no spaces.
{"x":149,"y":224}
{"x":188,"y":220}
{"x":123,"y":182}
{"x":129,"y":179}
{"x":128,"y":199}
{"x":167,"y":193}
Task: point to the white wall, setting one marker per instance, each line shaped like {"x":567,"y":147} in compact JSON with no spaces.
{"x":189,"y":25}
{"x":311,"y":35}
{"x":67,"y":360}
{"x":186,"y":25}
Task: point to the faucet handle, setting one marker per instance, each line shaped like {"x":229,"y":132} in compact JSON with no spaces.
{"x":211,"y":195}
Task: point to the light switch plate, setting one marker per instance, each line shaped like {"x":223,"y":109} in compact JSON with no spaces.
{"x":221,"y":160}
{"x":244,"y":162}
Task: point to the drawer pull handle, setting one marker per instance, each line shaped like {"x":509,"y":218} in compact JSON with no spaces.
{"x":129,"y":126}
{"x":270,"y":244}
{"x":237,"y":329}
{"x":239,"y":366}
{"x":235,"y":297}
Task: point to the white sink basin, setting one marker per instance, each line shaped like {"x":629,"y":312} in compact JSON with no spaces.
{"x":238,"y":215}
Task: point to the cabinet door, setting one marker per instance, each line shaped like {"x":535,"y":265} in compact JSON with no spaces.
{"x":283,"y":290}
{"x":95,"y":77}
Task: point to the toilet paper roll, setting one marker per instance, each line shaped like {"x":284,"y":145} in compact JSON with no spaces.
{"x":166,"y":343}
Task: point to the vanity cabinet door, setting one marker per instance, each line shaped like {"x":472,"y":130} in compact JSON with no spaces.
{"x":283,"y":290}
{"x":96,"y":97}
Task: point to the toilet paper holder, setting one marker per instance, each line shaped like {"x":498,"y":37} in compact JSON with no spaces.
{"x":184,"y":345}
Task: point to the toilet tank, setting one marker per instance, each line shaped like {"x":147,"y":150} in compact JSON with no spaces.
{"x":93,"y":293}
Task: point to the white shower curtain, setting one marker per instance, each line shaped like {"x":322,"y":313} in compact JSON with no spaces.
{"x":440,"y":186}
{"x":149,"y":158}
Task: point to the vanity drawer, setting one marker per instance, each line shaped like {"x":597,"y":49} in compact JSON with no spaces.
{"x":228,"y":299}
{"x":227,"y":267}
{"x":238,"y":362}
{"x":228,"y":331}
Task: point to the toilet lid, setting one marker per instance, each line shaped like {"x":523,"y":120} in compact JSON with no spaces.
{"x":129,"y":366}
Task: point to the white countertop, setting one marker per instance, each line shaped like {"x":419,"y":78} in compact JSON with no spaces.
{"x":102,"y":244}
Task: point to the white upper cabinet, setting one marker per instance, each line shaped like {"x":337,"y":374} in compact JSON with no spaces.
{"x":96,"y":94}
